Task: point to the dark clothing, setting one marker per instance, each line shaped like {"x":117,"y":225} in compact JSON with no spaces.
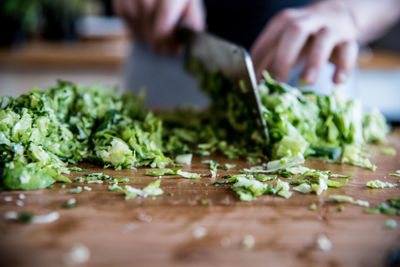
{"x":242,"y":21}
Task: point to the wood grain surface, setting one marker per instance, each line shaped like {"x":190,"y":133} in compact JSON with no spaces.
{"x":178,"y":231}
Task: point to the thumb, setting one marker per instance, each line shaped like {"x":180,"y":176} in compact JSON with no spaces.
{"x":194,"y":15}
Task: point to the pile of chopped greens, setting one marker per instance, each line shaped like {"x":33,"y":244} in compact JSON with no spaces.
{"x":44,"y":131}
{"x":40,"y":133}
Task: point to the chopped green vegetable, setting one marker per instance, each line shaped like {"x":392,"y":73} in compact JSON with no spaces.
{"x":189,"y":175}
{"x":42,"y":132}
{"x":379,"y":184}
{"x":100,"y":178}
{"x":77,"y":169}
{"x":25,"y":217}
{"x":253,"y":160}
{"x":264,"y":177}
{"x":313,"y":207}
{"x":152,"y":189}
{"x":213,"y":167}
{"x":230,"y":166}
{"x":392,"y":209}
{"x":284,"y":163}
{"x":184,"y":159}
{"x":204,"y":202}
{"x":303,"y":188}
{"x":391,"y":224}
{"x":71,"y":203}
{"x":340,"y":208}
{"x":284,"y":189}
{"x":171,"y":194}
{"x":122,"y":180}
{"x":389,"y":151}
{"x":394,"y":174}
{"x":247,"y":188}
{"x":394,"y":202}
{"x":220,"y":167}
{"x":114,"y":187}
{"x":348,"y":199}
{"x":319,"y":186}
{"x":332,"y":183}
{"x":76,"y":190}
{"x":221,"y":182}
{"x":161,"y":172}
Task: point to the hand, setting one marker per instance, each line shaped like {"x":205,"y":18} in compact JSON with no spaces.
{"x":156,"y":21}
{"x":315,"y":34}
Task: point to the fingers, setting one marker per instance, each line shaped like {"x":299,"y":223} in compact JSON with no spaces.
{"x":321,"y":47}
{"x":268,"y":36}
{"x":194,"y":15}
{"x":145,"y":20}
{"x":155,"y":21}
{"x":314,"y":32}
{"x":290,"y":46}
{"x":167,"y":17}
{"x":346,"y":59}
{"x":130,"y":11}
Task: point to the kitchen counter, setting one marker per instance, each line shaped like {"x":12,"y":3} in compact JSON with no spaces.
{"x":175,"y":229}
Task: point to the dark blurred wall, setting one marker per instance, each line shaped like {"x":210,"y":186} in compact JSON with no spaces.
{"x":390,"y":41}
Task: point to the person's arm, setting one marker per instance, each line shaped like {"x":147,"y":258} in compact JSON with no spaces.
{"x":155,"y":21}
{"x":329,"y":29}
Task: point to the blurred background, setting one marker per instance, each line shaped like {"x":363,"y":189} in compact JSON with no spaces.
{"x":82,"y":41}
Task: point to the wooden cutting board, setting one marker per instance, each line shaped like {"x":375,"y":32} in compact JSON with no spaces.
{"x":178,"y":231}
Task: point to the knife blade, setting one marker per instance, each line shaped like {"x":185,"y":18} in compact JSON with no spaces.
{"x":233,"y":61}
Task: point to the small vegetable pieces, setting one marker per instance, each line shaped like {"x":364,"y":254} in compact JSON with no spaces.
{"x":393,"y":208}
{"x":162,"y":172}
{"x":32,"y":218}
{"x":248,"y":188}
{"x":152,"y":189}
{"x":348,"y":199}
{"x":380,"y":184}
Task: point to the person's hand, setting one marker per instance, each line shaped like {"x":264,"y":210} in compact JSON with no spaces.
{"x":314,"y":34}
{"x":156,"y":21}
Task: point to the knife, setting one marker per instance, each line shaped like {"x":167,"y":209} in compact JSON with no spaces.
{"x":233,"y":61}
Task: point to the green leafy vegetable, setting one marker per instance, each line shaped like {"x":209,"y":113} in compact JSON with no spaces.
{"x":152,"y":189}
{"x":184,"y":159}
{"x":393,"y":208}
{"x":161,"y":172}
{"x":332,"y":183}
{"x":248,"y":188}
{"x":303,"y":188}
{"x":221,"y":182}
{"x":76,"y":190}
{"x":114,"y":187}
{"x":230,"y":166}
{"x":189,"y":175}
{"x":77,"y":169}
{"x":204,"y":202}
{"x":71,"y":203}
{"x":389,"y":151}
{"x":391,"y":224}
{"x":379,"y":184}
{"x":42,"y":132}
{"x":348,"y":199}
{"x":313,"y":207}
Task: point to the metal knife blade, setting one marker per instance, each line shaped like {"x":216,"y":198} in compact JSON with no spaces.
{"x":233,"y":61}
